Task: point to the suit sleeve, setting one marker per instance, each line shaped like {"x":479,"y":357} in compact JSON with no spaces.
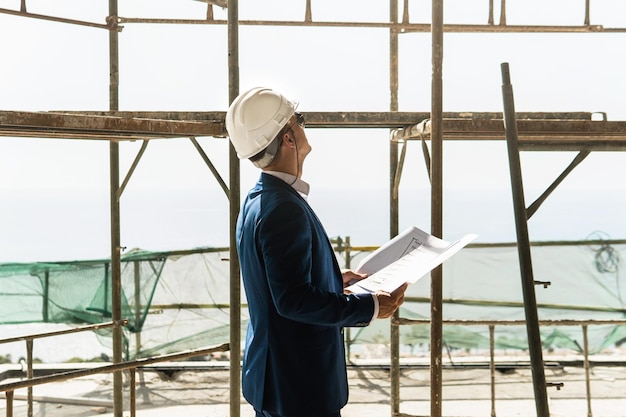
{"x":299,"y":288}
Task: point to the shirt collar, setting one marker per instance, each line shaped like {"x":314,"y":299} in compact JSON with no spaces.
{"x":302,"y":187}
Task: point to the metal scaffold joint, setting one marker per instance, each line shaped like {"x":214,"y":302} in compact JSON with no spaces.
{"x":417,"y":131}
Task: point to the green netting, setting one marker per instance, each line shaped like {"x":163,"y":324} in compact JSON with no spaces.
{"x":78,"y":292}
{"x":483,"y":282}
{"x":180,"y":300}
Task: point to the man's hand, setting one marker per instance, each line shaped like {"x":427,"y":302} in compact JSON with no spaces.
{"x":350,"y":277}
{"x":389,"y":303}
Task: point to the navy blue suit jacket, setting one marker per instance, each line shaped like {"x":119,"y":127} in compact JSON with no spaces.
{"x":294,"y":359}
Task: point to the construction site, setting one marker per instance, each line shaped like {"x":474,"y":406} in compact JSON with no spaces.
{"x":515,"y":327}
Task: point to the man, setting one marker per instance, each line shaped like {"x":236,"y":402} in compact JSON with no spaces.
{"x":294,"y":360}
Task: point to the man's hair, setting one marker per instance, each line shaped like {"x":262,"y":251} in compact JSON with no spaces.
{"x":274,"y":146}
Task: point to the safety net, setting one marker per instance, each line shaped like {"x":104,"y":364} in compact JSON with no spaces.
{"x":180,"y":300}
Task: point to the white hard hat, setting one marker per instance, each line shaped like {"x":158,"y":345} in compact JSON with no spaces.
{"x":254,"y":119}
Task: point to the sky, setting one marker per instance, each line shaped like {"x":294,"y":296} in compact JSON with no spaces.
{"x":54,"y":193}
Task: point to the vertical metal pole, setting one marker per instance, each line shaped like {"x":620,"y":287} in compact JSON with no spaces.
{"x":105,"y":295}
{"x":116,"y":281}
{"x":492,"y":367}
{"x":9,"y":402}
{"x":436,"y":292}
{"x":29,"y":374}
{"x":46,"y":297}
{"x":523,"y":248}
{"x":133,"y":392}
{"x":393,"y":106}
{"x":138,"y":309}
{"x":394,"y":332}
{"x":234,"y":197}
{"x":586,"y":364}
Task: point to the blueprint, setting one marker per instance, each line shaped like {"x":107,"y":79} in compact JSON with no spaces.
{"x":406,"y":258}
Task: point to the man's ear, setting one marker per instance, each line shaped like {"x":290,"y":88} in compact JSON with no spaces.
{"x":289,"y":139}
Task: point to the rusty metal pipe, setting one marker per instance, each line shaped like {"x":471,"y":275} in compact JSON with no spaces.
{"x":523,"y":245}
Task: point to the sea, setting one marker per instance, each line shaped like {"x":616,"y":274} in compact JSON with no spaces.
{"x":63,"y":226}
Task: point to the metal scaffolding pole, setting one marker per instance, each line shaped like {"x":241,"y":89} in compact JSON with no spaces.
{"x":523,"y":248}
{"x":235,"y":282}
{"x":436,"y":285}
{"x":394,"y":331}
{"x":114,"y":163}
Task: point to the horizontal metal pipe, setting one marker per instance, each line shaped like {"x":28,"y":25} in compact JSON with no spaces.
{"x":517,"y":304}
{"x":57,"y":19}
{"x":564,"y":322}
{"x":64,"y":332}
{"x":404,"y":27}
{"x":64,"y":376}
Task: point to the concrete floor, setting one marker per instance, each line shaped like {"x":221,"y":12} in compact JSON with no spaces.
{"x":466,"y":393}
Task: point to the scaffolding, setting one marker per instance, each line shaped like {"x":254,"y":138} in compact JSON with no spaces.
{"x":534,"y":131}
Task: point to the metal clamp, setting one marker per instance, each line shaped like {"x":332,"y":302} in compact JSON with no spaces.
{"x":557,"y":385}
